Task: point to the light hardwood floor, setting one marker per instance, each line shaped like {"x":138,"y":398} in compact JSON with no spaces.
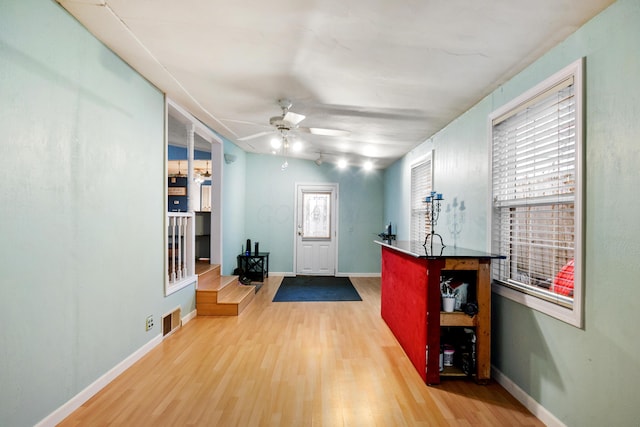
{"x":292,"y":364}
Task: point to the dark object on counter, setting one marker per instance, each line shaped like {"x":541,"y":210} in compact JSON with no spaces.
{"x":248,"y":252}
{"x":470,"y":308}
{"x":387,"y":237}
{"x":256,"y":246}
{"x":387,"y":234}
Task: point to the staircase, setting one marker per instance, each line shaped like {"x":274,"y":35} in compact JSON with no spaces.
{"x":218,"y":295}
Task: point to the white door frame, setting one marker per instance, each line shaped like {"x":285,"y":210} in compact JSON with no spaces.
{"x":315,"y":186}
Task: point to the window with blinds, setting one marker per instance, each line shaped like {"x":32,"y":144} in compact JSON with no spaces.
{"x":421,"y":184}
{"x":536,"y":185}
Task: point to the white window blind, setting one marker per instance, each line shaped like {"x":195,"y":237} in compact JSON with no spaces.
{"x":535,"y":193}
{"x":421,"y":184}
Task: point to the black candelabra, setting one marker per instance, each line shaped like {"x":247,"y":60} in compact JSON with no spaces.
{"x":433,"y":202}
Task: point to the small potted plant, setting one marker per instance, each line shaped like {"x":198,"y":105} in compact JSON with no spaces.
{"x":448,"y":295}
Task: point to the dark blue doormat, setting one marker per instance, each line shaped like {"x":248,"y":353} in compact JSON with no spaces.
{"x":316,"y":288}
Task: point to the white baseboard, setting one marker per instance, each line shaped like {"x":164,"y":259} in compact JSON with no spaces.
{"x":75,"y":402}
{"x":189,"y":316}
{"x":529,"y":402}
{"x":282,"y":273}
{"x":338,"y":274}
{"x":358,"y":275}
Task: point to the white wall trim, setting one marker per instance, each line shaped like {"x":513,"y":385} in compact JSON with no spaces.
{"x":358,"y":275}
{"x":189,"y":316}
{"x":282,"y":273}
{"x":529,"y":402}
{"x":92,"y":389}
{"x":175,"y":287}
{"x":75,"y":402}
{"x":338,"y":274}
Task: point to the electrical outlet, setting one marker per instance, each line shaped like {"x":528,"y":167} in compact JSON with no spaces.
{"x":149,"y":324}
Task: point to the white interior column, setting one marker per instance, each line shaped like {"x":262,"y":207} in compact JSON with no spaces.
{"x":190,"y":183}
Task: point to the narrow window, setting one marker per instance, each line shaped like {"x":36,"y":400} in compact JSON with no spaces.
{"x":421,"y":184}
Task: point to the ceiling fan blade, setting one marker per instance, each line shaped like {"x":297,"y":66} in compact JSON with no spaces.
{"x":255,"y":135}
{"x":293,"y":118}
{"x":325,"y":132}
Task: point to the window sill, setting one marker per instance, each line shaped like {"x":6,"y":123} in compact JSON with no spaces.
{"x":567,"y":315}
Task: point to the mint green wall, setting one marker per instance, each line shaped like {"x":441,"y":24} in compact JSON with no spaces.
{"x":269,"y":214}
{"x":584,"y":377}
{"x":233,"y":206}
{"x":459,"y":158}
{"x":393,"y":201}
{"x":81,"y":211}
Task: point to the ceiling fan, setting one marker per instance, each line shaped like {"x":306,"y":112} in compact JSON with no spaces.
{"x":289,"y":121}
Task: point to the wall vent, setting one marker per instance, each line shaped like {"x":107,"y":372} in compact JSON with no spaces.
{"x":171,"y":322}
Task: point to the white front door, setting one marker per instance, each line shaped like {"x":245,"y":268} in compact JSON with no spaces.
{"x":316,"y":229}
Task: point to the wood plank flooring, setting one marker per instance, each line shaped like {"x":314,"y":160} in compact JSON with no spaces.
{"x":292,"y":364}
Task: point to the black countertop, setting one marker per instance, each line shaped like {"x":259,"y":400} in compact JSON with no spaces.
{"x":418,"y":250}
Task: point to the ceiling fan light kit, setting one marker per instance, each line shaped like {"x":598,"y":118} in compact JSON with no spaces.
{"x":286,"y":125}
{"x":276,"y":143}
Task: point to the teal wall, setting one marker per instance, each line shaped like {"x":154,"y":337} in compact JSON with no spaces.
{"x":270,"y":211}
{"x":81,"y":210}
{"x":589,"y":376}
{"x":233,"y":206}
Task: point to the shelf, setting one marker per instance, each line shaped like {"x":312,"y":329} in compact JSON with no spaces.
{"x":461,"y":264}
{"x":457,"y":318}
{"x":255,"y":267}
{"x":452,"y":371}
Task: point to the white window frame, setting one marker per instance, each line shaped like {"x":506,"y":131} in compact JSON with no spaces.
{"x":571,"y":312}
{"x":418,"y":209}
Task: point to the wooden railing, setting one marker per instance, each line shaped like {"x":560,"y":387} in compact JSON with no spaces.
{"x":180,"y":250}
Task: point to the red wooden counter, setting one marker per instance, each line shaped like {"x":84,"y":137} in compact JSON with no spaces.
{"x":410,"y":303}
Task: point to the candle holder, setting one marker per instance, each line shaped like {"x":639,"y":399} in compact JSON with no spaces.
{"x":433,"y":202}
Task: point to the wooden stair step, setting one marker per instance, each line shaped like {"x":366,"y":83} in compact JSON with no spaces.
{"x":222,"y":296}
{"x":216,"y":284}
{"x":237,"y":294}
{"x":208,"y":275}
{"x":205,"y":267}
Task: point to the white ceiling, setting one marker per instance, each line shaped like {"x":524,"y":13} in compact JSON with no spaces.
{"x":391,"y":72}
